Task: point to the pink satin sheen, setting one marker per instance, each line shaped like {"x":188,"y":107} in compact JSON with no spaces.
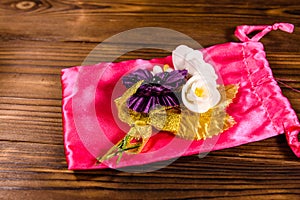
{"x":292,"y":138}
{"x":91,"y":125}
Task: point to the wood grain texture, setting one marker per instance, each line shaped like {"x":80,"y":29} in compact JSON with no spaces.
{"x":38,"y":38}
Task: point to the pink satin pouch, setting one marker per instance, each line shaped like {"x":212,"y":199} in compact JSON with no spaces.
{"x":259,"y":109}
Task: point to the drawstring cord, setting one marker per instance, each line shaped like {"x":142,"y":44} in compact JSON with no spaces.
{"x":279,"y":80}
{"x":242,"y":33}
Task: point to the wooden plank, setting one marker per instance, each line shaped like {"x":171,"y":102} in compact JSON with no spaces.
{"x":39,"y":38}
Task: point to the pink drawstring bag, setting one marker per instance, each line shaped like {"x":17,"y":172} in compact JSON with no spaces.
{"x":93,"y":126}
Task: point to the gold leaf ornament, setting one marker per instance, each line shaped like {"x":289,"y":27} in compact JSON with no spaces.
{"x":197,"y":126}
{"x":177,"y":120}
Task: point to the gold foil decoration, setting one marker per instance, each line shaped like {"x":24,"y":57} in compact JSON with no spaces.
{"x":166,"y":119}
{"x":126,"y":115}
{"x":197,"y":126}
{"x":140,"y":130}
{"x":139,"y":133}
{"x":179,"y":120}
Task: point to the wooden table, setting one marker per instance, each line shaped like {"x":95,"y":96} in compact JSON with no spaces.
{"x":38,"y":38}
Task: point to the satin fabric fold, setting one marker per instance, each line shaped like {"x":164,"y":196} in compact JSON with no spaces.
{"x":292,"y":138}
{"x":241,"y":32}
{"x":91,"y":126}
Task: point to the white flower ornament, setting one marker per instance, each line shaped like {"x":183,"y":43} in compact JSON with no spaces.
{"x":200,"y":92}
